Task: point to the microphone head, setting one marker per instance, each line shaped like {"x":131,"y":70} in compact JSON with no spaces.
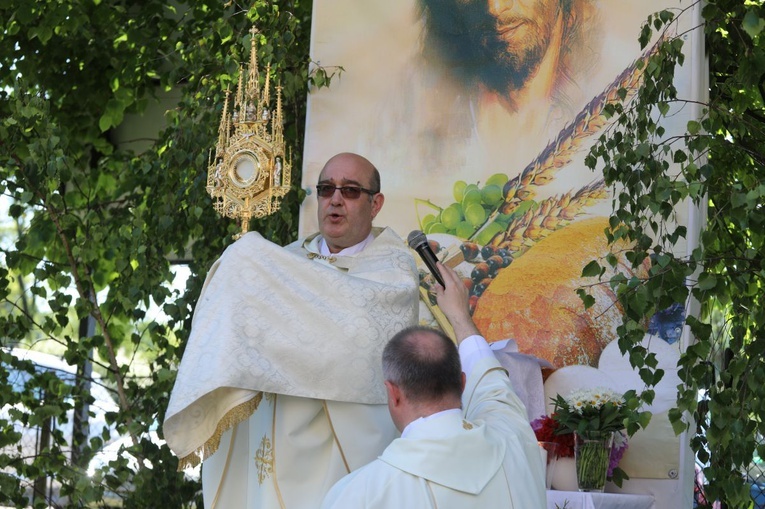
{"x":416,"y":238}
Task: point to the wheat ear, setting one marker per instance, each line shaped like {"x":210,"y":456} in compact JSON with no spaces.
{"x":552,"y":214}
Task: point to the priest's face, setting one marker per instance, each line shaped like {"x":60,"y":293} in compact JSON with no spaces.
{"x":345,"y":221}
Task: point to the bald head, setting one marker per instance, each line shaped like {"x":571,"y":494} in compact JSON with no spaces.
{"x":363,"y":165}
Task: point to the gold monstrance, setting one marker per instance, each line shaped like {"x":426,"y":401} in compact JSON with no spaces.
{"x":250,"y":174}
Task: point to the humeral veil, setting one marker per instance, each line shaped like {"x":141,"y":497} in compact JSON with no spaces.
{"x":273,"y":320}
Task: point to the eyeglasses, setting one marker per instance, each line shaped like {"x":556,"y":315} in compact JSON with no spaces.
{"x":348,"y":192}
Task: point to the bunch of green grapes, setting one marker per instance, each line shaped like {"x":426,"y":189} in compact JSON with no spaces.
{"x":472,"y":206}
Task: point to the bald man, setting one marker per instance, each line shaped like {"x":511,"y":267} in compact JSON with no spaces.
{"x":465,"y":436}
{"x":349,"y":198}
{"x":286,"y":344}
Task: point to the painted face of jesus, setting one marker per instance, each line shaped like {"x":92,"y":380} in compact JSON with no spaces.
{"x":519,"y":41}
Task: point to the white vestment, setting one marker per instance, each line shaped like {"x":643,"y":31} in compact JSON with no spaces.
{"x":488,"y":457}
{"x":280,"y":388}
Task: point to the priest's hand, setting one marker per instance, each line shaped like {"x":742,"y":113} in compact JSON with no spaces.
{"x":453,"y":302}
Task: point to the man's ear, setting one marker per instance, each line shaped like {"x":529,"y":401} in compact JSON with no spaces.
{"x":394,"y":393}
{"x":377,"y":203}
{"x":464,"y":380}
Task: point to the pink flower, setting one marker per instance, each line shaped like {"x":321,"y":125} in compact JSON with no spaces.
{"x":617,"y":451}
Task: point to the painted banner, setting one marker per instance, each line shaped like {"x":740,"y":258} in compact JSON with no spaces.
{"x":478,"y":116}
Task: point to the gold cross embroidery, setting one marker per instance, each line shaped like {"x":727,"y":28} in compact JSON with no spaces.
{"x":264,"y":459}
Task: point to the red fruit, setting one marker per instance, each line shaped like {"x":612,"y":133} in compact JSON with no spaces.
{"x":470,"y":250}
{"x":480,"y":271}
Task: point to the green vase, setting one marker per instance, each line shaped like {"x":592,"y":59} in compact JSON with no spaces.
{"x":592,"y":453}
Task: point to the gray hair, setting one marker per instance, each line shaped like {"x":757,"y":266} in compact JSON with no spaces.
{"x":422,"y":372}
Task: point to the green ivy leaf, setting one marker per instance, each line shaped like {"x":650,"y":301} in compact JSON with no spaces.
{"x":752,"y":23}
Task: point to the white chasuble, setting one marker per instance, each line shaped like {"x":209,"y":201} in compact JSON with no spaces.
{"x":289,"y":454}
{"x":281,"y":375}
{"x":488,"y":457}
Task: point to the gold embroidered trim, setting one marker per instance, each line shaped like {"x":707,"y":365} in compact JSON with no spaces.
{"x":233,"y":417}
{"x":334,"y":435}
{"x":273,"y":463}
{"x":330,"y":259}
{"x":466,"y":425}
{"x":225,"y":469}
{"x":264,"y":460}
{"x":470,"y":401}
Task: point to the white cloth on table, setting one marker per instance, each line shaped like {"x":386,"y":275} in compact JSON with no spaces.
{"x":583,"y":500}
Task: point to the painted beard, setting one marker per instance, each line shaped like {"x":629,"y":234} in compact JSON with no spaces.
{"x":509,"y":64}
{"x":481,"y":49}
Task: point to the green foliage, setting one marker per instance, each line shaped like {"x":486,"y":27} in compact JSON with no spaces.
{"x":95,"y":226}
{"x":718,"y":166}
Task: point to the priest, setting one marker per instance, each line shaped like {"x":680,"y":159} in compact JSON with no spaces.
{"x":461,"y":445}
{"x":279,"y":391}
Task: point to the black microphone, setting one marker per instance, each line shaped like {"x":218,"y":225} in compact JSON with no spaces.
{"x":419,"y":242}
